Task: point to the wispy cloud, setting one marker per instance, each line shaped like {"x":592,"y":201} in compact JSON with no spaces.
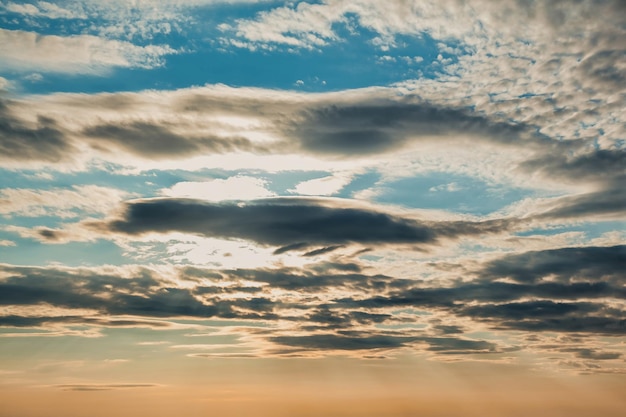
{"x":64,"y":203}
{"x":77,"y":54}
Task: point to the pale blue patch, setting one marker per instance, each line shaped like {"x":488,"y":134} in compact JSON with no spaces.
{"x":360,"y":182}
{"x":412,"y":311}
{"x":118,"y":343}
{"x":32,"y":252}
{"x":371,"y":258}
{"x":146,"y":183}
{"x":450,"y":192}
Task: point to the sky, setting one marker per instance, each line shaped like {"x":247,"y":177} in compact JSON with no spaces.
{"x":312,"y":208}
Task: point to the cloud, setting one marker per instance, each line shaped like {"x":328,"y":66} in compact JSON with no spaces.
{"x":345,"y":133}
{"x":585,"y":353}
{"x":597,"y":166}
{"x":305,"y":281}
{"x":154,"y":141}
{"x":607,"y":203}
{"x":375,"y":127}
{"x":353,"y":125}
{"x":39,"y":141}
{"x":77,"y":54}
{"x":77,"y":319}
{"x":451,"y":187}
{"x":289,"y":223}
{"x":233,"y":188}
{"x":311,"y":309}
{"x":116,"y":19}
{"x":47,"y":10}
{"x":108,"y":294}
{"x":441,"y":345}
{"x":336,"y":342}
{"x":561,"y":265}
{"x":65,"y":203}
{"x":324,"y":186}
{"x":579,"y":321}
{"x":305,"y":25}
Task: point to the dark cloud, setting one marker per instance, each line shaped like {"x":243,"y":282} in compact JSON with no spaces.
{"x":605,"y":169}
{"x":323,"y":250}
{"x":600,"y":165}
{"x":337,"y":319}
{"x":615,"y":325}
{"x":337,"y":342}
{"x":304,"y":281}
{"x":374,"y":127}
{"x":610,"y":202}
{"x":42,"y":321}
{"x":448,"y":329}
{"x":277,"y":222}
{"x":141,"y":295}
{"x":291,"y":247}
{"x":586,"y":353}
{"x":547,"y":315}
{"x":324,"y":267}
{"x":530,"y":309}
{"x":456,"y":346}
{"x":564,"y":264}
{"x":402,"y":294}
{"x":156,"y":141}
{"x":350,"y":341}
{"x":43,"y":141}
{"x":291,"y":224}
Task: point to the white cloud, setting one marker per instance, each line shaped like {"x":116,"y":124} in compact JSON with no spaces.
{"x":28,"y":51}
{"x":47,"y":10}
{"x":35,"y":77}
{"x":218,"y":253}
{"x":323,"y":186}
{"x":233,"y":188}
{"x":451,"y":187}
{"x":305,"y":26}
{"x":27,"y":9}
{"x":64,"y":203}
{"x":528,"y":62}
{"x":4,"y":83}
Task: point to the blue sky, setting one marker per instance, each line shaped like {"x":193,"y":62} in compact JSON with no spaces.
{"x":200,"y":54}
{"x":205,"y":203}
